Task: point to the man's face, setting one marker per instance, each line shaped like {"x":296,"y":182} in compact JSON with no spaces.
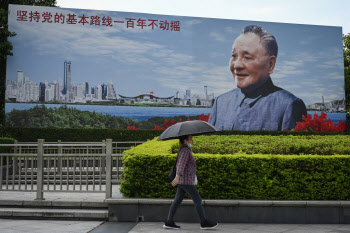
{"x":250,"y":63}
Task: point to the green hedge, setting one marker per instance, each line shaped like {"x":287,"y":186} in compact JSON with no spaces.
{"x":94,"y":135}
{"x":279,"y":133}
{"x":6,"y":141}
{"x":238,"y":176}
{"x":5,"y":149}
{"x":267,"y":144}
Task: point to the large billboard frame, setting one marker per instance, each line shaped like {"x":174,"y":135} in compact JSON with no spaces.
{"x":167,"y":66}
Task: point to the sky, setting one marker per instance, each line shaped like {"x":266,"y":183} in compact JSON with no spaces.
{"x":309,"y":63}
{"x":315,"y":12}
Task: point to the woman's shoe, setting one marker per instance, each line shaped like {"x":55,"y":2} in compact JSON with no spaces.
{"x":171,"y":225}
{"x":208,"y":225}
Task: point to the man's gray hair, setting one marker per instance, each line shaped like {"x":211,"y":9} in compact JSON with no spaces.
{"x":267,"y":39}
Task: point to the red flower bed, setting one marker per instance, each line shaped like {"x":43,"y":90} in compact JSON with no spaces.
{"x":319,"y":123}
{"x":132,"y":128}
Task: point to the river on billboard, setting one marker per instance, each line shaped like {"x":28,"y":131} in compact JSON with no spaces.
{"x":77,"y":68}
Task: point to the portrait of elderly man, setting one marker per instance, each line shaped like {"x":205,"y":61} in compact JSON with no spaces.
{"x":256,"y":103}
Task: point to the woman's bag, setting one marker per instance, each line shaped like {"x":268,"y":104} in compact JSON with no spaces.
{"x":172,"y":173}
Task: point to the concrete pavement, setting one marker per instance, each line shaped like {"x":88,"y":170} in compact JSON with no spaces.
{"x":56,"y":226}
{"x":244,"y":228}
{"x":46,"y":226}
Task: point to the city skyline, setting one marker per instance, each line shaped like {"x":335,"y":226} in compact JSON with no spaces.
{"x":25,"y":90}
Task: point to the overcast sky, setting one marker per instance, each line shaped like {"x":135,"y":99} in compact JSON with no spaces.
{"x":316,"y":12}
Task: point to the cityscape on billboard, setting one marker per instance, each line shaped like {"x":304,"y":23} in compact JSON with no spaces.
{"x":144,"y":66}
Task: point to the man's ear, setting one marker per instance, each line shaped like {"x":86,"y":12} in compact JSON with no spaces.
{"x":272,"y":63}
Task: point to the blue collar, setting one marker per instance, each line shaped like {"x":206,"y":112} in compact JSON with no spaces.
{"x":252,"y":97}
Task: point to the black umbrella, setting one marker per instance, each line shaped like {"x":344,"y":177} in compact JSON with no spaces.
{"x":196,"y":127}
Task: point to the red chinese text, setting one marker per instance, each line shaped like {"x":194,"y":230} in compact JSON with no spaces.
{"x":129,"y":23}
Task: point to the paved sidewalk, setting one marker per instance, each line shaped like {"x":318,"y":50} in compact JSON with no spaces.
{"x":46,"y":226}
{"x":56,"y":226}
{"x":245,"y":228}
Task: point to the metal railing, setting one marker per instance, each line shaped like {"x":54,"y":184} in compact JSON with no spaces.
{"x":62,"y":167}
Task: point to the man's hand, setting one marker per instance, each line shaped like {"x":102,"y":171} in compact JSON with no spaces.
{"x":176,"y":180}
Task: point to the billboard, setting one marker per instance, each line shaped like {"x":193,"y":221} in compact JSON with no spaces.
{"x":103,"y":69}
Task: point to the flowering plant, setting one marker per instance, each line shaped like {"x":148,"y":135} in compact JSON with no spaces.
{"x":319,"y":123}
{"x":132,"y":128}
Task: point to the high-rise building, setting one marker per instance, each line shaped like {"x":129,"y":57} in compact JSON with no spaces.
{"x":19,"y":78}
{"x":80,"y":91}
{"x":111,"y":95}
{"x":74,"y":91}
{"x":31,"y":92}
{"x":98,"y":92}
{"x":104,"y":91}
{"x":86,"y":88}
{"x":206,"y":92}
{"x":11,"y":91}
{"x":20,"y":82}
{"x":67,"y":79}
{"x":42,"y":92}
{"x":56,"y":85}
{"x":188,"y":94}
{"x":49,"y":92}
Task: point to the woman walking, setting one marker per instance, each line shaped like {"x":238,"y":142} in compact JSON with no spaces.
{"x":185,"y":181}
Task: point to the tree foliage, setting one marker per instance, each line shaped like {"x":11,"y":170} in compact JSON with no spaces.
{"x":64,"y":117}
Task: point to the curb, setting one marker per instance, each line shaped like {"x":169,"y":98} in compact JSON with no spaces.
{"x":232,"y":211}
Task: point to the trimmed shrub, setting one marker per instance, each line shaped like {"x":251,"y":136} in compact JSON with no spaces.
{"x":6,"y":149}
{"x":239,"y":175}
{"x":97,"y":135}
{"x":7,"y":140}
{"x":266,"y":144}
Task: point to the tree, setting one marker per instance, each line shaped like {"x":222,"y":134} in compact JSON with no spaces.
{"x":346,"y":49}
{"x":6,"y":46}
